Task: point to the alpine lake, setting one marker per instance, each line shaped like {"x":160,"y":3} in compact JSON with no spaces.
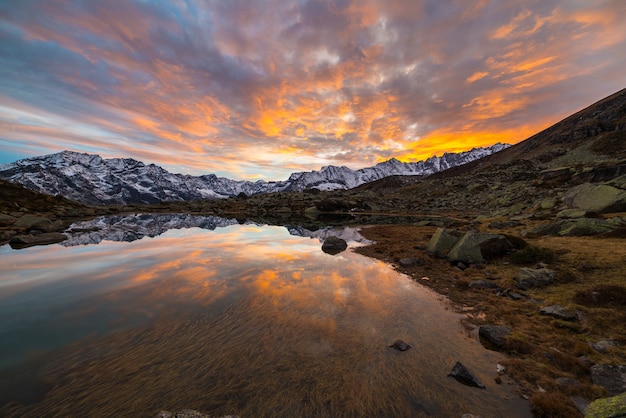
{"x":141,"y":313}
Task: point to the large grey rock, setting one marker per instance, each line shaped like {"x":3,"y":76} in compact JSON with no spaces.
{"x":574,"y":227}
{"x":558,"y":312}
{"x":527,"y":278}
{"x":610,"y":377}
{"x":571,"y":213}
{"x":476,"y":247}
{"x":586,"y":226}
{"x":442,"y":241}
{"x":494,"y":334}
{"x":463,"y":375}
{"x":334,"y":245}
{"x":613,"y":407}
{"x":599,"y":198}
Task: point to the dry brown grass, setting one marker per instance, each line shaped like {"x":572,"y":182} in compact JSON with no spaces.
{"x":553,"y":405}
{"x":591,"y":279}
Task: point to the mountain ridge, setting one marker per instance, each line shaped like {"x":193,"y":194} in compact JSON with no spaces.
{"x":90,"y":179}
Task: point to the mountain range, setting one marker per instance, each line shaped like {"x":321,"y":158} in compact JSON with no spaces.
{"x":90,"y":179}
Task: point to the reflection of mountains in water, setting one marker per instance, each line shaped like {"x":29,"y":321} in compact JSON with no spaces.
{"x":128,"y":228}
{"x":347,"y":233}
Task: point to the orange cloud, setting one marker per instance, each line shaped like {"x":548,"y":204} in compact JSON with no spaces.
{"x":217,"y":89}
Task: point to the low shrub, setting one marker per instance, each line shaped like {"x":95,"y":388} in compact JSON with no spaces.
{"x":601,"y":296}
{"x":532,"y":255}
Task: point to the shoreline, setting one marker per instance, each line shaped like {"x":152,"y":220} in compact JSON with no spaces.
{"x":548,"y":358}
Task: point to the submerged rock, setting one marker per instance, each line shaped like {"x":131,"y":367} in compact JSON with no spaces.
{"x":334,"y":245}
{"x":463,"y":375}
{"x":400,"y":345}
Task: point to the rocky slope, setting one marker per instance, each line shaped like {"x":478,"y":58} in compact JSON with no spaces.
{"x":90,"y":179}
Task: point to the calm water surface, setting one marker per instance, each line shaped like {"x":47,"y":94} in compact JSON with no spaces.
{"x":227,"y":319}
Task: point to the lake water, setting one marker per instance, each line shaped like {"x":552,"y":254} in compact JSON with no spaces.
{"x":139,"y":314}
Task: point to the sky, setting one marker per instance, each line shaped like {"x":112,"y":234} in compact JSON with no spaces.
{"x":258,"y":89}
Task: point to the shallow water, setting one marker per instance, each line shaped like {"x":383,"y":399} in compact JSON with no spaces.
{"x":230,"y":319}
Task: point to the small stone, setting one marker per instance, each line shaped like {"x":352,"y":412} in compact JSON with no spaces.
{"x":400,"y":345}
{"x":580,"y":403}
{"x":464,"y":376}
{"x":585,"y":360}
{"x":604,"y":346}
{"x":500,"y":369}
{"x":527,"y":278}
{"x":558,"y":312}
{"x":516,"y":296}
{"x":482,"y":284}
{"x":494,"y":334}
{"x":410,"y":262}
{"x":567,"y":382}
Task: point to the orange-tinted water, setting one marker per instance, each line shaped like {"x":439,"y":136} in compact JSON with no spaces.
{"x":242,"y":320}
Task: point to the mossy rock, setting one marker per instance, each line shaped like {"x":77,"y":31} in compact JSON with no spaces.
{"x":612,"y":407}
{"x":442,"y":241}
{"x":599,"y":198}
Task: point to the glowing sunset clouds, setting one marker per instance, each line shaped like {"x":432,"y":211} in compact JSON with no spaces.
{"x":259,"y":89}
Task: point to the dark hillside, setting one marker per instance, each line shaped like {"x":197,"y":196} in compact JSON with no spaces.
{"x":593,"y":135}
{"x":16,"y":198}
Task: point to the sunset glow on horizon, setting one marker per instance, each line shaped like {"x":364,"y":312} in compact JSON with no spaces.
{"x":261,"y":89}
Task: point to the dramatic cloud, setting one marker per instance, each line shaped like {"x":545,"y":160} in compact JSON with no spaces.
{"x":258,"y":89}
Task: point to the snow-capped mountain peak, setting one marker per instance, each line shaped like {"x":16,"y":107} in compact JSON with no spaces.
{"x":90,"y":179}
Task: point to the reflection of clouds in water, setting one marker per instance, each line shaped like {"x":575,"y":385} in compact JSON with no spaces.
{"x":269,"y":313}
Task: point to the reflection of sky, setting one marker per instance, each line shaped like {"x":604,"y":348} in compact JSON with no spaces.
{"x":45,"y":289}
{"x":249,"y":293}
